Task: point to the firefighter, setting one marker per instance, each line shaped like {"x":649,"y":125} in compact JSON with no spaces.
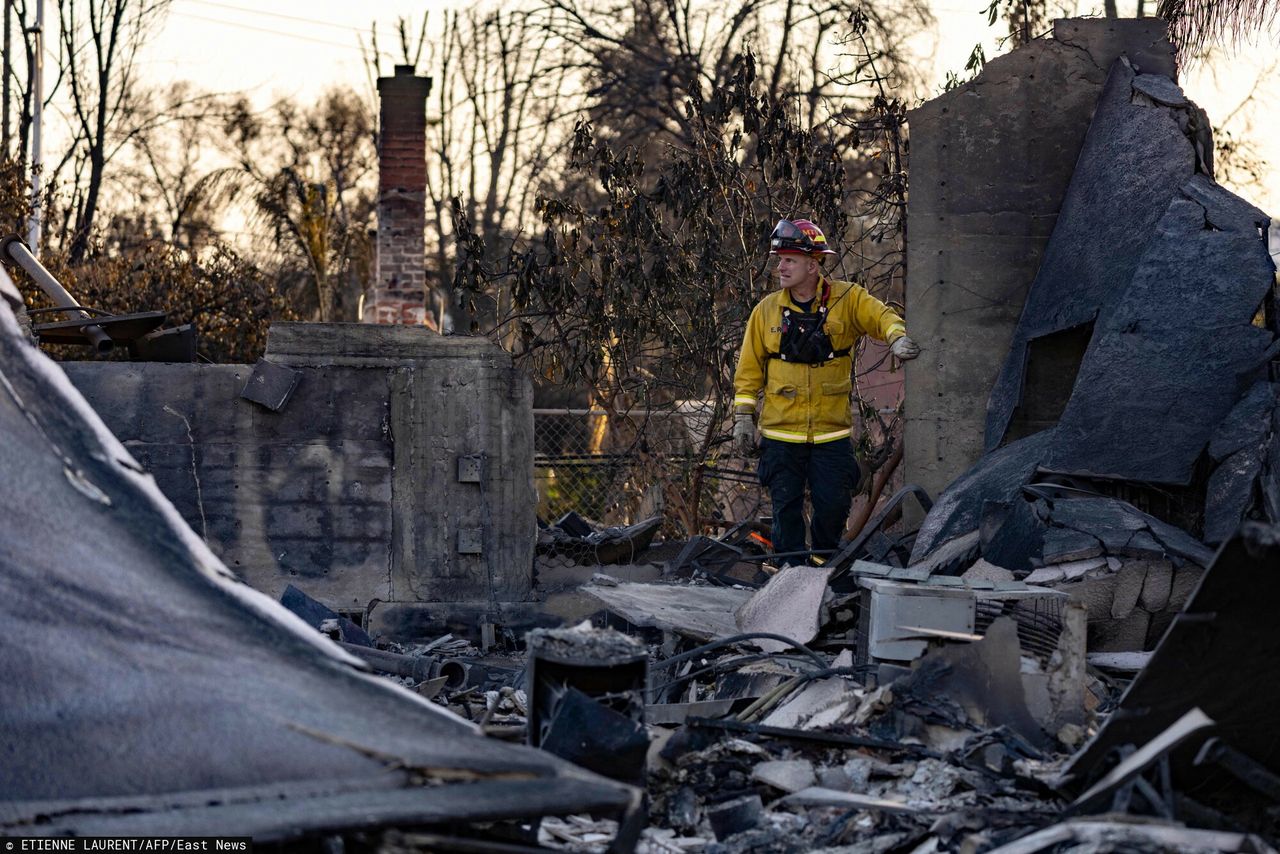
{"x":797,"y":356}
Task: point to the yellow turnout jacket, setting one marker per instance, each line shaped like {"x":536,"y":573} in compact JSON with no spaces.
{"x":808,"y":403}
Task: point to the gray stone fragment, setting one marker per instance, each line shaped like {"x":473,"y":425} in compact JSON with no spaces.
{"x":1127,"y":635}
{"x":859,"y":770}
{"x":1185,"y":579}
{"x":985,"y":571}
{"x":1158,"y":585}
{"x":1129,"y":583}
{"x":1160,"y":89}
{"x":1247,"y":425}
{"x":1095,"y":594}
{"x":835,"y":778}
{"x":1062,"y":545}
{"x":790,"y":604}
{"x":787,"y":775}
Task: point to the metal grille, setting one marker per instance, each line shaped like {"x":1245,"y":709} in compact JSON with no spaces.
{"x":619,"y":470}
{"x":1039,"y":617}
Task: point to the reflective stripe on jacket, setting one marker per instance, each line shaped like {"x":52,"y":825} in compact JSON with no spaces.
{"x":808,"y":403}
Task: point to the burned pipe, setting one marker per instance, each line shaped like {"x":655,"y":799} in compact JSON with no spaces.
{"x":13,"y":250}
{"x":419,"y":667}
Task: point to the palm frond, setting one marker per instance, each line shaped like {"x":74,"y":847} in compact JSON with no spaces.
{"x":1196,"y":24}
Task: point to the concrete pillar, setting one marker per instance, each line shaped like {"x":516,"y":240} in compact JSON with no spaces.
{"x":990,"y":164}
{"x":400,"y":286}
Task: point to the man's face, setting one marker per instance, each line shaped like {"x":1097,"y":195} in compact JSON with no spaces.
{"x":794,"y":269}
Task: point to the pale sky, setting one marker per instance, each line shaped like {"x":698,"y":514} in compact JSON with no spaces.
{"x":301,"y":47}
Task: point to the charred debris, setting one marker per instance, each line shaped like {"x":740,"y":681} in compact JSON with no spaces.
{"x":1071,"y":649}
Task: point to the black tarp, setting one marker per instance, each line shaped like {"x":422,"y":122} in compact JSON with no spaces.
{"x":146,"y":690}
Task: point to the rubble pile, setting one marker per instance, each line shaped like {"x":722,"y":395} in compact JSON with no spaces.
{"x":151,"y":693}
{"x":1072,"y":650}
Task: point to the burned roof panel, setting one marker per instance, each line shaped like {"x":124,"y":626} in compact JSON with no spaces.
{"x":1135,"y":157}
{"x":126,"y":637}
{"x":1182,"y":335}
{"x":998,"y":476}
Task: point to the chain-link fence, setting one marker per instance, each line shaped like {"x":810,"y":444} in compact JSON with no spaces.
{"x":621,"y":469}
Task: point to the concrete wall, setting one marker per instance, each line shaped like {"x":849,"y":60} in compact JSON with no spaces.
{"x":400,"y":470}
{"x":990,"y":164}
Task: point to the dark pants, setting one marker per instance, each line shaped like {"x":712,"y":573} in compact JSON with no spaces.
{"x":831,"y":473}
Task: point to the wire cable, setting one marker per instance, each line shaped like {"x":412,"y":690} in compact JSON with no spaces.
{"x":716,"y":644}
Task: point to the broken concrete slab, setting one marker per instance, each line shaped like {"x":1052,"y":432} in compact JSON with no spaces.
{"x":790,"y":604}
{"x":127,"y":635}
{"x":701,"y":613}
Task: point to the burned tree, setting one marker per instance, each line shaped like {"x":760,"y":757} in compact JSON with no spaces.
{"x":638,"y":287}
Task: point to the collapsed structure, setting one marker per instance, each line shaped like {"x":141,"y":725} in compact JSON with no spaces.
{"x":1111,"y":508}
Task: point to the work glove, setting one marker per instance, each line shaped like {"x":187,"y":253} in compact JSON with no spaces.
{"x":905,"y":349}
{"x":744,"y":433}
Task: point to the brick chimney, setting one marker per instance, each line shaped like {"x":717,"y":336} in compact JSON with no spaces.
{"x":400,"y":282}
